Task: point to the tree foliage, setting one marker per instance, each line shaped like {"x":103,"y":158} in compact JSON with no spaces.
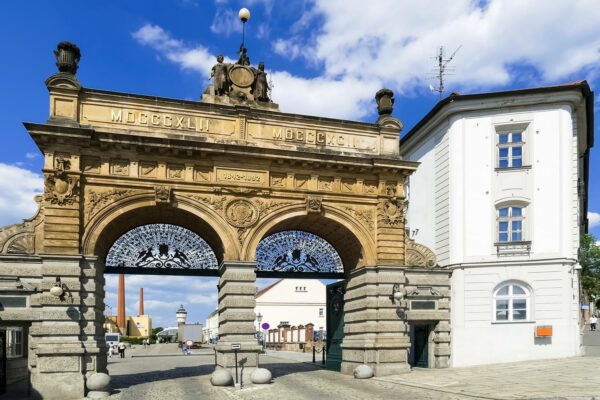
{"x":589,"y":259}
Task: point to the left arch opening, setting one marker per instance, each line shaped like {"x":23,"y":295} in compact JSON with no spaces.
{"x":153,"y":248}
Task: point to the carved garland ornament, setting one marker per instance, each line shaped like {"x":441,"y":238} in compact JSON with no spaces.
{"x":363,"y":215}
{"x":95,"y":201}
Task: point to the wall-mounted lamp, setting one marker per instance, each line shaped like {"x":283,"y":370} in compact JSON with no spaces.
{"x":57,"y":290}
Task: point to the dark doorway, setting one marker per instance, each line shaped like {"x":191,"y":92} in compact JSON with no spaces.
{"x":2,"y":362}
{"x":420,"y":346}
{"x":335,"y":325}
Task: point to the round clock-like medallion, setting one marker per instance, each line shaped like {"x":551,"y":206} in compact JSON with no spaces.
{"x":241,"y":213}
{"x":241,"y":76}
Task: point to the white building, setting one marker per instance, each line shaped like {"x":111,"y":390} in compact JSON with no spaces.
{"x":289,"y":306}
{"x":211,"y":328}
{"x":293,"y":307}
{"x":501,"y":197}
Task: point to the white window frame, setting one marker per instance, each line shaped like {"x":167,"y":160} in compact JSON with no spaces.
{"x":510,"y":218}
{"x":524,"y":143}
{"x":14,"y":347}
{"x":510,"y":298}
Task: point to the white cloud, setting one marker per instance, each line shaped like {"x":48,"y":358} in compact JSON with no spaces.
{"x":18,"y":186}
{"x":359,"y":49}
{"x":194,"y":58}
{"x":593,"y":219}
{"x":31,"y":156}
{"x":226,"y":22}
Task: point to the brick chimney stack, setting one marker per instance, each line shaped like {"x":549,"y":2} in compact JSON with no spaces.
{"x":121,"y":303}
{"x":141,"y":311}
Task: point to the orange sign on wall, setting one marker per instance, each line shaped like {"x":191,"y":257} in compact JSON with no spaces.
{"x":543,"y":331}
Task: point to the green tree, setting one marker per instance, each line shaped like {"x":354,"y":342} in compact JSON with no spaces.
{"x":589,"y":259}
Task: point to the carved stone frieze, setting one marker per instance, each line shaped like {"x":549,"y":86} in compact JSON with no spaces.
{"x":392,"y":212}
{"x":96,"y":200}
{"x":217,"y":203}
{"x":267,"y":206}
{"x":418,"y":255}
{"x":61,"y":188}
{"x":163,"y":194}
{"x":314,"y":205}
{"x":364,"y":215}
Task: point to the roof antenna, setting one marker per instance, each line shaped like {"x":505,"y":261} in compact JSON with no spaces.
{"x":442,"y":70}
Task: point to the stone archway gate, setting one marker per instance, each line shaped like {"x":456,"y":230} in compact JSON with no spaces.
{"x":234,"y":172}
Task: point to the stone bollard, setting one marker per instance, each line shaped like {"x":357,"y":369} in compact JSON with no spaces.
{"x":221,"y":377}
{"x":98,"y":385}
{"x":260,"y":376}
{"x":363,"y":372}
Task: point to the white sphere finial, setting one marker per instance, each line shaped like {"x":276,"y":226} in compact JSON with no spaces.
{"x":244,"y":15}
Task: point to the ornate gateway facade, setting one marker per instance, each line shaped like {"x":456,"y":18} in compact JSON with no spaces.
{"x":140,"y":184}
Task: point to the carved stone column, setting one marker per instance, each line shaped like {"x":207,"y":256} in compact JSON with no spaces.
{"x":374,"y":332}
{"x":237,"y":290}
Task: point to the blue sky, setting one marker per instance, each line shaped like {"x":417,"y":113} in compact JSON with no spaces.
{"x":325,"y":58}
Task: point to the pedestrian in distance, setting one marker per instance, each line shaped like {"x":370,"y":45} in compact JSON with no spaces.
{"x":144,"y":342}
{"x":593,"y":322}
{"x":122,"y":349}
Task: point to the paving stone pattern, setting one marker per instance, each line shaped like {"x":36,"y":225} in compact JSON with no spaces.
{"x":161,"y":372}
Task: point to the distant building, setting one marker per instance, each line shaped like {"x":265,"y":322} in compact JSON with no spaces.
{"x":295,"y":310}
{"x":139,"y":326}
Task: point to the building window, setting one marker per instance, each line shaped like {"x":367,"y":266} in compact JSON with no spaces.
{"x":510,"y":224}
{"x":14,"y":342}
{"x":510,"y":149}
{"x":321,"y":312}
{"x":511,"y":303}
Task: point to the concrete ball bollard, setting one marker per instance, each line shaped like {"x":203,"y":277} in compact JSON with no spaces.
{"x":98,"y":385}
{"x":221,"y":377}
{"x":261,"y":376}
{"x":363,"y":372}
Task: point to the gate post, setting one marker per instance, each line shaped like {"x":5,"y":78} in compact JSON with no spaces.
{"x":374,"y":333}
{"x":237,"y":290}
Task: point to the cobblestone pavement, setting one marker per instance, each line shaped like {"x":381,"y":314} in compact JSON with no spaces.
{"x":566,"y":378}
{"x":167,"y":373}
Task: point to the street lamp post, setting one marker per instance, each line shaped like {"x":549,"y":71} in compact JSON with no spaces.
{"x":259,"y":318}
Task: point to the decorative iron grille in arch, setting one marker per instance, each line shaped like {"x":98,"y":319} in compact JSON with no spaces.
{"x":153,"y":247}
{"x":297,"y":252}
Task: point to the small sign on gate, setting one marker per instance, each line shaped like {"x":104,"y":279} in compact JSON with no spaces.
{"x":236,"y":346}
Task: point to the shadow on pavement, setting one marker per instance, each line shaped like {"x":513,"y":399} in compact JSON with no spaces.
{"x":125,"y":381}
{"x":281,"y":369}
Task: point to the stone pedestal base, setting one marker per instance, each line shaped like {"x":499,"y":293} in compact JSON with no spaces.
{"x":58,"y":385}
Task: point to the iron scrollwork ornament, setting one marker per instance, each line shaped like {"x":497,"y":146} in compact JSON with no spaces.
{"x":161,"y":246}
{"x":297,"y":251}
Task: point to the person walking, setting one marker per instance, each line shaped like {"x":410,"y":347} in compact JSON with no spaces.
{"x":144,"y":342}
{"x":122,"y":349}
{"x":593,"y":322}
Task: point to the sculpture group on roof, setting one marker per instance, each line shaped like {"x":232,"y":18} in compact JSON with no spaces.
{"x":240,"y":80}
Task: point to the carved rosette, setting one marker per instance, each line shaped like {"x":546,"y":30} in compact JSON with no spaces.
{"x":61,"y":188}
{"x":392,"y":212}
{"x":418,"y":255}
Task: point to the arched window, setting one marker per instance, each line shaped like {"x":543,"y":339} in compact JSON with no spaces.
{"x":511,"y":303}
